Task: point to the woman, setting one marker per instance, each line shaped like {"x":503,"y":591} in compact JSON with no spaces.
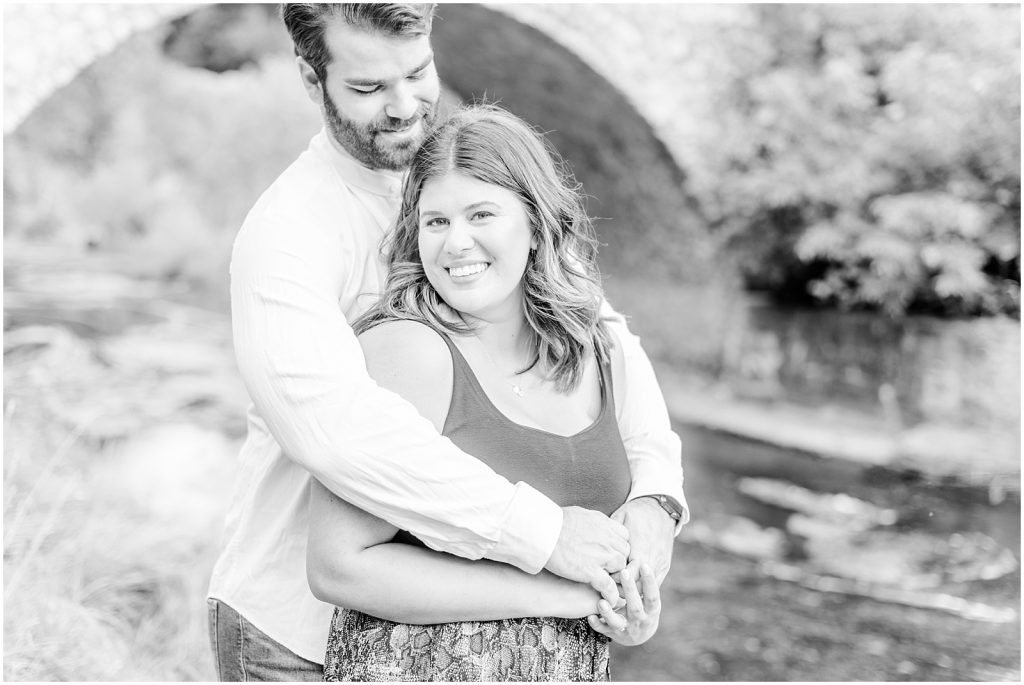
{"x":489,"y":325}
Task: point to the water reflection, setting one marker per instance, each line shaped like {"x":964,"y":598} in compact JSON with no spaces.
{"x":715,"y":461}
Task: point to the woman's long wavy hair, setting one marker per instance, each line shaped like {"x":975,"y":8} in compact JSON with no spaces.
{"x":561,"y":285}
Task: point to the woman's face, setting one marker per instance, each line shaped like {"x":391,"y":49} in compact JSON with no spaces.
{"x":474,"y":239}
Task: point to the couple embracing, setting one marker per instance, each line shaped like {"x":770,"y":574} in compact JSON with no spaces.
{"x":459,"y":465}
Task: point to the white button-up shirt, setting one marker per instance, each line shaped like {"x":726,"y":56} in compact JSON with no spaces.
{"x":306,"y":262}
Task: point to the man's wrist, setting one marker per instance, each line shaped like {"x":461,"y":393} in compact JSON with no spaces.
{"x":532,"y":527}
{"x":668,"y":504}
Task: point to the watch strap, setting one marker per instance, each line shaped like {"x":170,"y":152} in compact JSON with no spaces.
{"x":670,"y":504}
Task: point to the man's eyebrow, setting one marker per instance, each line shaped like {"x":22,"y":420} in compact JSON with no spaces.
{"x":365,"y":82}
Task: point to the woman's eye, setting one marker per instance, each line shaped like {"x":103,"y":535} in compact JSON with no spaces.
{"x":435,"y":222}
{"x":481,"y":215}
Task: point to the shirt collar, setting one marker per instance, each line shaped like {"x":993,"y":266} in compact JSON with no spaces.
{"x":376,"y":181}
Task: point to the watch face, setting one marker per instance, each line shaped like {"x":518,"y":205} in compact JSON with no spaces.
{"x":671,"y":506}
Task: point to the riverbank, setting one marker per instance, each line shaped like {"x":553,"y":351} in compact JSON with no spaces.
{"x":940,"y":452}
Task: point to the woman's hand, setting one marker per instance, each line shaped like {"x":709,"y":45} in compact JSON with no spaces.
{"x":637,"y":622}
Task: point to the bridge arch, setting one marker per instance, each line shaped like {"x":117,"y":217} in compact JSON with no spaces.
{"x":636,"y":186}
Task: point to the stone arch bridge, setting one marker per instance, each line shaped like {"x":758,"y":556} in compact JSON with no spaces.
{"x":613,"y":85}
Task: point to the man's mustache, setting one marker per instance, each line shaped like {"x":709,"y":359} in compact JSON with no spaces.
{"x":391,"y":124}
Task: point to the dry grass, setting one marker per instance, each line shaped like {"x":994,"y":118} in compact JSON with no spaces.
{"x":97,"y":586}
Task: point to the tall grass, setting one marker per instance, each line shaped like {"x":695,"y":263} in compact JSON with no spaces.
{"x":96,"y":587}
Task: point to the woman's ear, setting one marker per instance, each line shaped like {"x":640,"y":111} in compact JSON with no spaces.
{"x":534,"y":242}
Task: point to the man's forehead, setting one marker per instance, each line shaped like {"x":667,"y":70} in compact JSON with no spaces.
{"x":360,"y":54}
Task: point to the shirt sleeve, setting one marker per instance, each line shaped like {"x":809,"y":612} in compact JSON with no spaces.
{"x":305,"y":373}
{"x":652,"y":448}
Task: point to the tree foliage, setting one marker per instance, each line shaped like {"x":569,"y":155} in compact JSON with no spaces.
{"x":869,"y":156}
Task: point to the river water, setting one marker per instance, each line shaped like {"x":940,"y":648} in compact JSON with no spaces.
{"x":714,"y":462}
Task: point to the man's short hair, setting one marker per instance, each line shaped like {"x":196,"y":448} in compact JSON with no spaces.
{"x":307,"y":21}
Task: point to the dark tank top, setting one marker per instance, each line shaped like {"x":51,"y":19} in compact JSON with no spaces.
{"x":588,"y":469}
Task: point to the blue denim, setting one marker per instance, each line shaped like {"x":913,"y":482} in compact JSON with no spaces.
{"x":243,"y":653}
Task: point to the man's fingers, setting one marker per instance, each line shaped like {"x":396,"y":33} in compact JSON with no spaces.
{"x":651,"y":590}
{"x":615,"y":561}
{"x":604,"y":584}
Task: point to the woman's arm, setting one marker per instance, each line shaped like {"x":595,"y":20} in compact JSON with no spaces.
{"x":352,"y":561}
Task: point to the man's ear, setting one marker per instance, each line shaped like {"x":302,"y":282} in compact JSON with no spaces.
{"x":310,"y":81}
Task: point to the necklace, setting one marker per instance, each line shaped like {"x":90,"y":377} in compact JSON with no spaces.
{"x":517,"y":389}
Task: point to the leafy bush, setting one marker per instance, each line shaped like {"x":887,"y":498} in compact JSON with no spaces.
{"x":869,"y":157}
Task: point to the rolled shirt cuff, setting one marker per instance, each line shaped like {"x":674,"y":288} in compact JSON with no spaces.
{"x":531,"y":531}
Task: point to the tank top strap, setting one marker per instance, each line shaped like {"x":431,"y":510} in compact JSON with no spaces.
{"x":468,"y":397}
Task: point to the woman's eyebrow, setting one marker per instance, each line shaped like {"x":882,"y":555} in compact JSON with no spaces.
{"x":481,"y":203}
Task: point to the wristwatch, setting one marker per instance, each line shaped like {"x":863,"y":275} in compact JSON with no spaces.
{"x":671,"y":505}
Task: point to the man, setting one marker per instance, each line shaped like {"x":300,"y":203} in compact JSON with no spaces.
{"x":305,"y":262}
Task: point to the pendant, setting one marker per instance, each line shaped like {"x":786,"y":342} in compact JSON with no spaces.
{"x":517,"y":390}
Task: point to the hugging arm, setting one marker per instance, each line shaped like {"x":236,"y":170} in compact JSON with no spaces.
{"x":652,"y":448}
{"x":352,"y":560}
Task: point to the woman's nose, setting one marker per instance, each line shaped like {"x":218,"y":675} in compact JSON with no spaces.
{"x":459,"y":238}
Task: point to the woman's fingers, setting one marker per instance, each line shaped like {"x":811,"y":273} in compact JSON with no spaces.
{"x":634,"y":604}
{"x":651,"y":589}
{"x":599,"y":627}
{"x":611,"y":619}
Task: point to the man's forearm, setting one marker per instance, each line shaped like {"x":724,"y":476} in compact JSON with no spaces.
{"x":652,"y":448}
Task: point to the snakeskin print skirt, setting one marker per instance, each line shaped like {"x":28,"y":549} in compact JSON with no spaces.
{"x":365,"y":648}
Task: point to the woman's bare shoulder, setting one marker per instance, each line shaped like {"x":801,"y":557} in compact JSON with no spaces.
{"x":411,"y":359}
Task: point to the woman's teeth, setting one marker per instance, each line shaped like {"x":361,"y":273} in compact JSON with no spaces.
{"x":467,"y":269}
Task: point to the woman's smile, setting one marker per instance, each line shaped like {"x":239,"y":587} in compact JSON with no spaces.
{"x":467,"y":273}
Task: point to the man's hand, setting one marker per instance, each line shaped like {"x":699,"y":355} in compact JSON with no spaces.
{"x":590,"y":547}
{"x":651,"y":533}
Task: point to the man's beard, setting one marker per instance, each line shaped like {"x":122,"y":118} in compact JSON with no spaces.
{"x":364,"y":143}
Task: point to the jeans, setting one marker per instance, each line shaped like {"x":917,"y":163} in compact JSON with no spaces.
{"x":243,"y":653}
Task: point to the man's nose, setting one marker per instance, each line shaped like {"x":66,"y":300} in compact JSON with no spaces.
{"x":403,"y":103}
